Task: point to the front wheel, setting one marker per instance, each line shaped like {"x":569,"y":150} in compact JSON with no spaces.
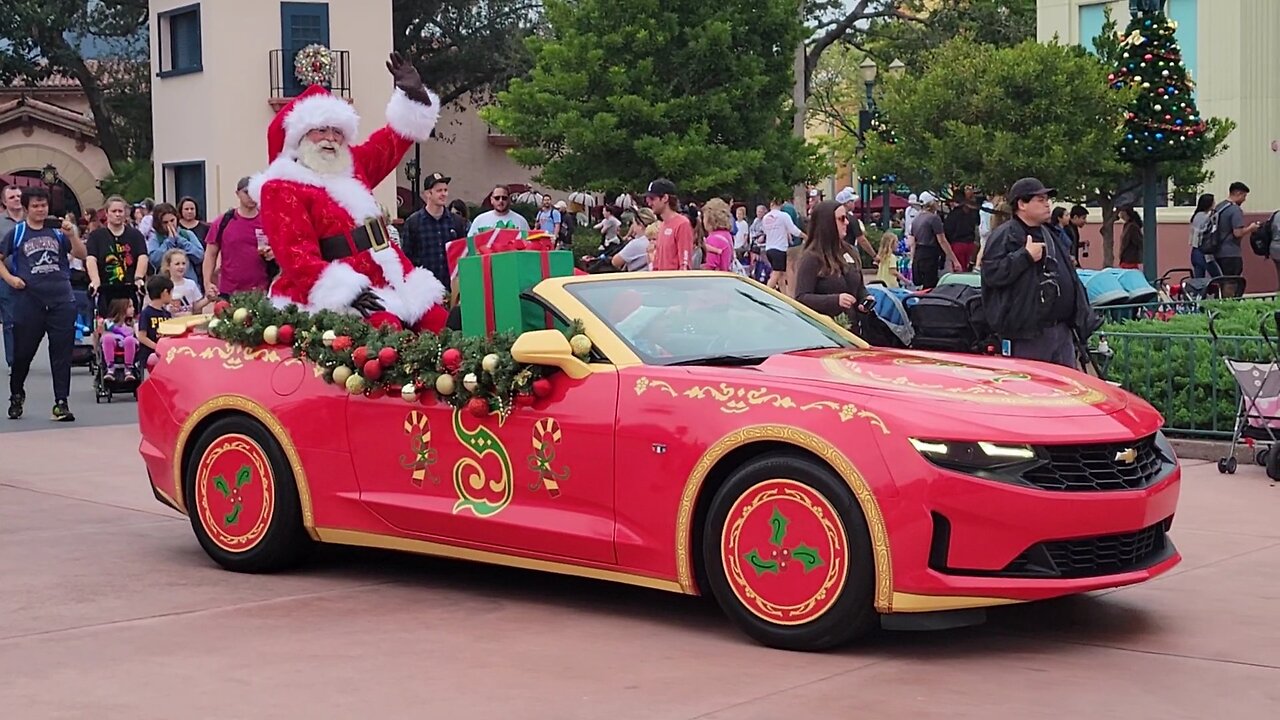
{"x":242,"y":498}
{"x":787,"y":555}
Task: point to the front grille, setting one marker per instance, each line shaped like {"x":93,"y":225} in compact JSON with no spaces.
{"x":1091,"y":557}
{"x":1092,"y":468}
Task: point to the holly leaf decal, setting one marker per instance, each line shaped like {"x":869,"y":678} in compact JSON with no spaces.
{"x":807,"y":556}
{"x":233,"y":516}
{"x":220,"y":483}
{"x":779,"y":523}
{"x":243,"y":476}
{"x":760,"y":565}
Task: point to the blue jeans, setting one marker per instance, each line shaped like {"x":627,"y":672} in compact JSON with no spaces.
{"x":6,"y":318}
{"x":1202,"y":266}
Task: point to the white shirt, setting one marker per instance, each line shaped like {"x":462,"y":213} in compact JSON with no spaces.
{"x":778,"y":230}
{"x":491,"y":219}
{"x":984,"y":221}
{"x":186,"y":293}
{"x":744,"y":232}
{"x":909,"y":218}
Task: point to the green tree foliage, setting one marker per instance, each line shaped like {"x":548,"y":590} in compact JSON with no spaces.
{"x":40,"y":39}
{"x":986,"y":115}
{"x":130,"y":179}
{"x":698,"y":92}
{"x":923,"y":26}
{"x":466,"y":48}
{"x":1163,"y":122}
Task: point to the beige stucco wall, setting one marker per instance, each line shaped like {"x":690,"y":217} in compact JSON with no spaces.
{"x":220,"y":115}
{"x":79,"y":169}
{"x":1233,"y":81}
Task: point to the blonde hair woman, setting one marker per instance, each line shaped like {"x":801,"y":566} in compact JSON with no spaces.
{"x":718,"y":245}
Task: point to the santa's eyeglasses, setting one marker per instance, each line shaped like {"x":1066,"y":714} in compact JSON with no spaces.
{"x":321,"y":132}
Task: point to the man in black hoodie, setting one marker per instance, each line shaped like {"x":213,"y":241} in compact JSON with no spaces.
{"x":1031,"y":294}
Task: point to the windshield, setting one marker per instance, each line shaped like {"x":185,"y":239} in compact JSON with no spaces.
{"x":684,"y":320}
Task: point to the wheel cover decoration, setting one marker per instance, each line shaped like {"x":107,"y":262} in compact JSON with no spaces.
{"x":546,"y":435}
{"x":477,"y":492}
{"x":418,"y":428}
{"x":784,"y":553}
{"x":235,"y":492}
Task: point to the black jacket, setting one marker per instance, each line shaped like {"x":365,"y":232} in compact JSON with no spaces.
{"x":1010,"y":286}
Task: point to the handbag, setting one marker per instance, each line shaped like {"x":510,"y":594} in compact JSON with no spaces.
{"x":1047,"y":289}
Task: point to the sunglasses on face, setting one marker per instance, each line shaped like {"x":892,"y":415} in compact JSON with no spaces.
{"x":497,"y":198}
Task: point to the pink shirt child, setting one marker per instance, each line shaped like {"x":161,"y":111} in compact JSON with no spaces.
{"x":718,"y":254}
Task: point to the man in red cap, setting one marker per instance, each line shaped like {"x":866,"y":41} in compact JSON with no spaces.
{"x":318,"y":210}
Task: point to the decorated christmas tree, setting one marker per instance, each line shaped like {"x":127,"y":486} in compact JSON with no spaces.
{"x":1163,"y":123}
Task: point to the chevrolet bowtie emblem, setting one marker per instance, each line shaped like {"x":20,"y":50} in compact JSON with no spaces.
{"x":1128,"y":456}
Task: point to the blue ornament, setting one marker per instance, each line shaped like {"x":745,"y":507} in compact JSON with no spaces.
{"x":1159,"y":136}
{"x":1129,"y":136}
{"x":1177,"y":122}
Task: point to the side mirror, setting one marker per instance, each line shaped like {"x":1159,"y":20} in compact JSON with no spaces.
{"x":551,"y":348}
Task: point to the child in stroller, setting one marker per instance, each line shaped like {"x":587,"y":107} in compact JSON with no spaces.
{"x":117,"y":369}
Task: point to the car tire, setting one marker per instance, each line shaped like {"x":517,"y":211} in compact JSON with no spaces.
{"x":242,"y":498}
{"x":787,"y":555}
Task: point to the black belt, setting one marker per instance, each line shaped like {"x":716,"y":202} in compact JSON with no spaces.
{"x":372,"y":235}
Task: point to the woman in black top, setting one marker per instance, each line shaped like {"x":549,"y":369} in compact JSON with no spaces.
{"x":1131,"y":239}
{"x":189,"y":218}
{"x":828,"y":276}
{"x":117,"y":262}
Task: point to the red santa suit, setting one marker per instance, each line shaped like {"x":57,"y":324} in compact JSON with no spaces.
{"x":300,"y":207}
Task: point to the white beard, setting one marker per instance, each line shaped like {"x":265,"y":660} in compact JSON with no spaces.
{"x":313,"y":156}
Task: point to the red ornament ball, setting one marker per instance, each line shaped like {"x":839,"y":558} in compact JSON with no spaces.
{"x":285,"y":335}
{"x":372,"y":370}
{"x":452,"y":359}
{"x":221,"y":307}
{"x":524,"y":399}
{"x":1111,"y":77}
{"x":341,"y":343}
{"x":541,"y":387}
{"x":360,"y":356}
{"x":388,"y":356}
{"x":478,"y":407}
{"x":1148,"y":57}
{"x":377,"y":391}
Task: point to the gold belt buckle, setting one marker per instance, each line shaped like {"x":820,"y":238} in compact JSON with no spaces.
{"x":379,"y":238}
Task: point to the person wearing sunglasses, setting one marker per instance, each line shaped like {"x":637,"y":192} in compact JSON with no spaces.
{"x":501,"y":216}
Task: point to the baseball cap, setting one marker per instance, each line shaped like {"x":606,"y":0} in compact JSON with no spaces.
{"x":562,"y":205}
{"x":927,"y":197}
{"x":661,"y":186}
{"x":913,"y":199}
{"x":1029,"y":188}
{"x":844,"y":196}
{"x":813,"y":193}
{"x":435,"y":179}
{"x":242,"y":184}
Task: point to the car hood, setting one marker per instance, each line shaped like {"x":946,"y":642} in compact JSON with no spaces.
{"x":973,"y":383}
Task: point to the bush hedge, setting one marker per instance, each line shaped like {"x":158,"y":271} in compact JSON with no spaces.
{"x":1175,"y":365}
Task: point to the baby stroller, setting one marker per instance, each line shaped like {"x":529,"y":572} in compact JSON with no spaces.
{"x":106,"y":383}
{"x":1179,"y":285}
{"x":82,"y":353}
{"x":950,"y":318}
{"x":1258,"y":415}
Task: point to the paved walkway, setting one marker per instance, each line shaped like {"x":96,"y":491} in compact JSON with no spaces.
{"x":109,"y":609}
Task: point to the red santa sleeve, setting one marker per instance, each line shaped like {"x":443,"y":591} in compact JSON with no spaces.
{"x":327,"y":285}
{"x":408,"y":122}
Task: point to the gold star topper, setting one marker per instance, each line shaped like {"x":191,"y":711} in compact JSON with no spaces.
{"x":1173,"y":24}
{"x":1135,"y":38}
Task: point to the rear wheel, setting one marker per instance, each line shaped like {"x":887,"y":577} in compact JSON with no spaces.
{"x":242,"y":498}
{"x":786,"y":554}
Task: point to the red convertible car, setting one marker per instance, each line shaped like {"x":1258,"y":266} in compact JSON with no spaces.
{"x":721,"y":439}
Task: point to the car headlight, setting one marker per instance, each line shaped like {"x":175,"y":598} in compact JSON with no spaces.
{"x":974,"y":457}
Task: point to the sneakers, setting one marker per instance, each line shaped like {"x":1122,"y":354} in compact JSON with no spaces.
{"x":15,"y":406}
{"x":62,"y":413}
{"x":118,"y":374}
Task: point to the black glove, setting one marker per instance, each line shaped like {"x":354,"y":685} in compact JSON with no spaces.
{"x":367,"y":303}
{"x":408,"y":79}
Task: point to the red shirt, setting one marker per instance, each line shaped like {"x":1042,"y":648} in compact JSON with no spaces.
{"x":675,"y":244}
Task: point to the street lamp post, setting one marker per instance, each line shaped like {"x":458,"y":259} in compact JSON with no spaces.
{"x":868,"y":69}
{"x":413,"y":171}
{"x":49,"y":176}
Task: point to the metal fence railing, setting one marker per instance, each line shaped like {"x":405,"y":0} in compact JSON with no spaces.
{"x":1183,"y":376}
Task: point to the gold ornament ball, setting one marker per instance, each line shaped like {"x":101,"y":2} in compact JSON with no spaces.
{"x":271,"y":335}
{"x":241,"y":315}
{"x":409,"y":393}
{"x":490,"y":362}
{"x":444,"y":385}
{"x":328,"y":337}
{"x":581,"y":345}
{"x":340,"y":374}
{"x":470,"y":382}
{"x":355,"y":384}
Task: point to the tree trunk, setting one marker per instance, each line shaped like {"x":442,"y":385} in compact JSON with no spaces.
{"x":1108,"y":229}
{"x":58,"y":48}
{"x":1149,"y":250}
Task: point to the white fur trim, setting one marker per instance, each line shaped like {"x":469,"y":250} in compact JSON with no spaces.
{"x":347,"y":191}
{"x":315,"y":112}
{"x":411,"y":119}
{"x":336,"y":287}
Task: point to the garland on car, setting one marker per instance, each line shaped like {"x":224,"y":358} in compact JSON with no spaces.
{"x":477,"y":374}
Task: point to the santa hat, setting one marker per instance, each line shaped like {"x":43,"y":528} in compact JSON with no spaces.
{"x":315,"y":108}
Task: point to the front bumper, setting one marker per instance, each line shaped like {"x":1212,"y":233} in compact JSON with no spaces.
{"x":970,"y":542}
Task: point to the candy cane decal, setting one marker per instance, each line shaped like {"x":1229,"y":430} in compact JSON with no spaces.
{"x":477,"y":492}
{"x":546,"y":435}
{"x":418,"y":428}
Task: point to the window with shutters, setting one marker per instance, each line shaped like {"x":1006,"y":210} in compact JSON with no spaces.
{"x":178,"y":39}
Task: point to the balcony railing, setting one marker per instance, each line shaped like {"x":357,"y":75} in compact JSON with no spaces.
{"x":285,"y":85}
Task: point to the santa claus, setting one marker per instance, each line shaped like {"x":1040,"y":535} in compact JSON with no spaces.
{"x":325,"y":228}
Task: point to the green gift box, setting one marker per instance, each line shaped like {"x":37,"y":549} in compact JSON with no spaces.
{"x":490,"y":284}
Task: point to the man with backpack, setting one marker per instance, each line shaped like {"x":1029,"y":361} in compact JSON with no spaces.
{"x":1225,"y":229}
{"x":43,"y":300}
{"x":237,"y":238}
